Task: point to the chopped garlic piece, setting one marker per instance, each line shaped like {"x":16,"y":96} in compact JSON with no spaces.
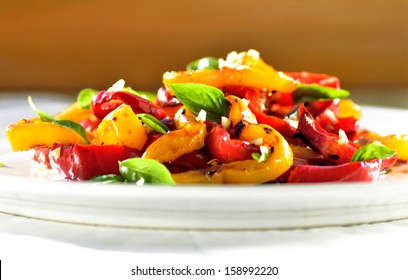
{"x":265,"y":152}
{"x":257,"y":141}
{"x":226,"y":123}
{"x":202,"y":116}
{"x":140,"y":182}
{"x":118,"y":86}
{"x":245,"y":101}
{"x":248,"y":116}
{"x":331,"y":116}
{"x":343,"y":137}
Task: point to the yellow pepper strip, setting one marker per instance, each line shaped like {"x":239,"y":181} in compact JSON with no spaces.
{"x":27,"y":134}
{"x":398,"y":143}
{"x":247,"y":171}
{"x":348,"y":108}
{"x":121,"y":127}
{"x":239,"y":69}
{"x":239,"y":111}
{"x":188,"y":137}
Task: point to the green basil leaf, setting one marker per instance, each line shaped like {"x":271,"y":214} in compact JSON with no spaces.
{"x":197,"y":97}
{"x":208,"y":63}
{"x":142,"y":170}
{"x":73,"y":126}
{"x":154,"y":123}
{"x":46,"y":117}
{"x":372,"y":151}
{"x":305,"y":93}
{"x":108,"y":178}
{"x":2,"y":164}
{"x":84,"y":97}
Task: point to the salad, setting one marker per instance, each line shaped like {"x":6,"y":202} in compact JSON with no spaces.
{"x":220,"y":121}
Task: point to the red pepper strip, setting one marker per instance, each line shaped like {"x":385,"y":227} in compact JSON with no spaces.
{"x":82,"y":162}
{"x":192,"y":161}
{"x":329,"y":120}
{"x":349,"y":125}
{"x":327,"y":144}
{"x":368,"y":171}
{"x":364,"y":171}
{"x":105,"y":101}
{"x":255,"y":105}
{"x":225,"y":149}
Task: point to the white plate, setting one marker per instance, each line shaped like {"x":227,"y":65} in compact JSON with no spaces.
{"x":201,"y":207}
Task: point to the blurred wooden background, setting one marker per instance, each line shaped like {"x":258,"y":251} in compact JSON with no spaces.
{"x":66,"y":45}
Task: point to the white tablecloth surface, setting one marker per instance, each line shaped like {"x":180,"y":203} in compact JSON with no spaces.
{"x":35,"y":249}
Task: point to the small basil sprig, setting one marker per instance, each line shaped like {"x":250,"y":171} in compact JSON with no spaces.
{"x":46,"y":117}
{"x":208,"y":63}
{"x":108,"y":178}
{"x":84,"y":97}
{"x":372,"y":151}
{"x":197,"y":97}
{"x":153,"y":123}
{"x":305,"y":93}
{"x":142,"y":170}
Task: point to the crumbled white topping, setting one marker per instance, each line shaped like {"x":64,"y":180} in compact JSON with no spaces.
{"x":235,"y":60}
{"x":253,"y":53}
